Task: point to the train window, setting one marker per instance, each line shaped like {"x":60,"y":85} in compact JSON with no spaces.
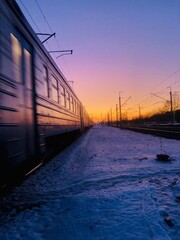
{"x":27,"y":72}
{"x":17,"y":58}
{"x":54,"y":89}
{"x":45,"y":82}
{"x":67,"y":100}
{"x":63,"y":101}
{"x":72,"y":104}
{"x":78,"y":109}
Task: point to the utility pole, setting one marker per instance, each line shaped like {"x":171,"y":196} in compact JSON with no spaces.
{"x":117,"y":115}
{"x":120,"y":109}
{"x":171,"y":104}
{"x":120,"y":113}
{"x":108,"y":123}
{"x":111,"y":115}
{"x":139,"y":112}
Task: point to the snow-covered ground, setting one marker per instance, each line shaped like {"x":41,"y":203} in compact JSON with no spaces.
{"x":107,"y":185}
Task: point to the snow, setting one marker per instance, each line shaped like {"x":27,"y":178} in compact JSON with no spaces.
{"x":106,"y":185}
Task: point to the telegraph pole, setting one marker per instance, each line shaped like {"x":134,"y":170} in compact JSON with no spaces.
{"x":120,"y":113}
{"x":171,"y":104}
{"x":117,"y":115}
{"x":108,"y":122}
{"x":111,"y":115}
{"x":120,"y":109}
{"x":139,"y":112}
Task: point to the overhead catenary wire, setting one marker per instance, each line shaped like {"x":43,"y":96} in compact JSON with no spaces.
{"x":149,"y":100}
{"x":32,"y":19}
{"x":43,"y":37}
{"x":45,"y":19}
{"x":166,"y":79}
{"x":30,"y":16}
{"x":51,"y":30}
{"x":44,"y":16}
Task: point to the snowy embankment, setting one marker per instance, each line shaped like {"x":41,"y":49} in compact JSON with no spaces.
{"x":107,"y":185}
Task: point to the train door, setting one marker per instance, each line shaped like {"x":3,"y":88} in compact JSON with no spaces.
{"x":23,"y":75}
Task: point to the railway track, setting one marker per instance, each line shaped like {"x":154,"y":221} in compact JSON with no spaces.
{"x":172,"y":132}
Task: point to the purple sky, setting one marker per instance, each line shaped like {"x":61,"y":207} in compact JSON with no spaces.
{"x":132,"y":46}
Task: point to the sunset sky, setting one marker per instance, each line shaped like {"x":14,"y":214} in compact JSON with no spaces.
{"x":126,"y":46}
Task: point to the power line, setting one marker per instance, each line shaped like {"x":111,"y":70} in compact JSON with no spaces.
{"x":30,"y":15}
{"x":170,"y":76}
{"x":50,"y":28}
{"x":44,"y":16}
{"x":47,"y":22}
{"x":149,"y":99}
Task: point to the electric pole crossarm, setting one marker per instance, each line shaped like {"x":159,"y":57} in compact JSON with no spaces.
{"x":159,"y":97}
{"x":64,"y":52}
{"x":46,"y":34}
{"x":126,"y":101}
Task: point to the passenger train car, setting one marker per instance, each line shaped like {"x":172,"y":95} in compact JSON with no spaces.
{"x":39,"y":111}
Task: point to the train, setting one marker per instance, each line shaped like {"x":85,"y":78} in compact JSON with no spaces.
{"x":39,"y":111}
